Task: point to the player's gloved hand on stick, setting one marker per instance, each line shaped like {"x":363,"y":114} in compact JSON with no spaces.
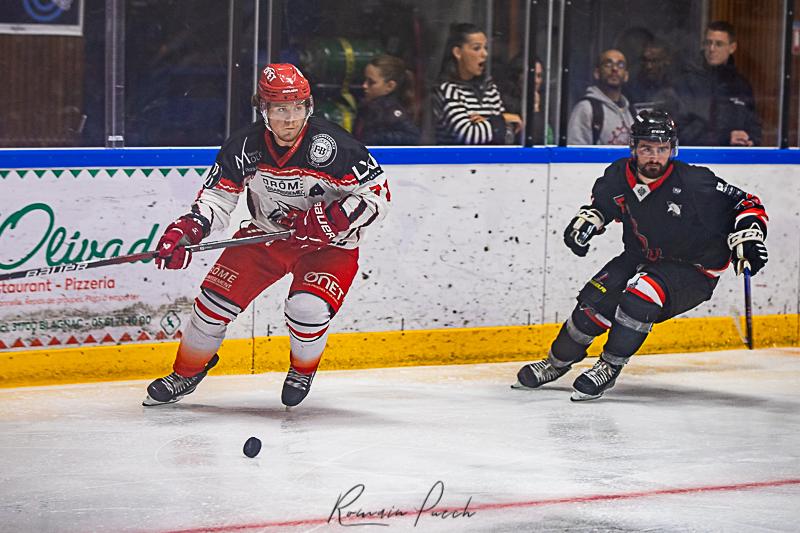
{"x":171,"y":252}
{"x":587,"y":223}
{"x":318,"y":226}
{"x":748,"y":249}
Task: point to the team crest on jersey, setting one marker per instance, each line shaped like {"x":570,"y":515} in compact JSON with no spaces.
{"x":213,"y":177}
{"x":674,"y":209}
{"x":641,"y":191}
{"x":322,"y":151}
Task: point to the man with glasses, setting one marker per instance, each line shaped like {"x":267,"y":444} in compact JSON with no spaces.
{"x":299,"y":172}
{"x":718,"y":107}
{"x":603,"y":115}
{"x":681,"y":228}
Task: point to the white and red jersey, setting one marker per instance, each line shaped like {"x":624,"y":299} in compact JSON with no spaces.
{"x":326,"y":164}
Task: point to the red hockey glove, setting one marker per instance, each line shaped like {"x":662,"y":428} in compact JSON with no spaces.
{"x":587,"y":223}
{"x":318,"y":226}
{"x":171,"y":252}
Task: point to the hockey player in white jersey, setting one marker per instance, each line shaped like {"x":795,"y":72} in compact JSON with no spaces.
{"x":297,"y":171}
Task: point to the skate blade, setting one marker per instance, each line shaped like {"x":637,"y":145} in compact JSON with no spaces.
{"x":150,"y":402}
{"x":519,"y":386}
{"x":578,"y":396}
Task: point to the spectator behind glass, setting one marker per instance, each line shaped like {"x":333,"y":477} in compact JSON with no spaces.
{"x":603,"y":115}
{"x":652,"y":88}
{"x":511,"y":92}
{"x":719,"y":108}
{"x":467,"y":107}
{"x":385,"y":115}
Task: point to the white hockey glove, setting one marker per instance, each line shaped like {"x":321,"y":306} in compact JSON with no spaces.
{"x":587,"y":223}
{"x":748,"y":249}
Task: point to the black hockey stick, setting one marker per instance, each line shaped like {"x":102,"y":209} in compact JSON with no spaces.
{"x":748,"y":307}
{"x":130,"y":258}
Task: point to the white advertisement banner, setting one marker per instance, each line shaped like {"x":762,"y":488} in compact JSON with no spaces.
{"x":464,"y":246}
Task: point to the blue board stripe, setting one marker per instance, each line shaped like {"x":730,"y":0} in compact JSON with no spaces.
{"x":430,"y":155}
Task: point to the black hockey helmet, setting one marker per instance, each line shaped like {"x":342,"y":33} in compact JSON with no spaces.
{"x":654,"y":126}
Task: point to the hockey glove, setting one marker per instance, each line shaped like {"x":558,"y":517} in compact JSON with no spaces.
{"x":318,"y":226}
{"x":587,"y":223}
{"x":748,"y":249}
{"x":171,"y":252}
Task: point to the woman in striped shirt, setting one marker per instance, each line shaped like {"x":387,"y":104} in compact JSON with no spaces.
{"x":466,"y":103}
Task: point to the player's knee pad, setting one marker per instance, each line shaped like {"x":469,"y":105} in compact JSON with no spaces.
{"x":307,"y":316}
{"x":211,"y":313}
{"x":577,"y":333}
{"x":641,"y":303}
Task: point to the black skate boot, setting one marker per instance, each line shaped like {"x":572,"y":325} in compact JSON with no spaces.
{"x":536,"y":374}
{"x":296,"y":387}
{"x":594,"y":382}
{"x":172,"y":388}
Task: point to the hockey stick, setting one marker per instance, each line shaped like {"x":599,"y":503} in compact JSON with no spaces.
{"x":131,"y":258}
{"x":748,"y":307}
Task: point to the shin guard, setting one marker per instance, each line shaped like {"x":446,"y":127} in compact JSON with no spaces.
{"x":577,"y":333}
{"x":307,"y":317}
{"x":201,"y":339}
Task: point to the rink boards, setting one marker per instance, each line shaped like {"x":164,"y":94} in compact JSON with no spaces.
{"x":468,"y":267}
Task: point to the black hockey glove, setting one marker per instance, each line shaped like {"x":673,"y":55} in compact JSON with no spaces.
{"x":587,"y":223}
{"x":748,"y":249}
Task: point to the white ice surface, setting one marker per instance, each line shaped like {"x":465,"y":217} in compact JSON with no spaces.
{"x":681,"y":439}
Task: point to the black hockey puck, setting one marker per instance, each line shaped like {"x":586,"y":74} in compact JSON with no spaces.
{"x":251,"y":447}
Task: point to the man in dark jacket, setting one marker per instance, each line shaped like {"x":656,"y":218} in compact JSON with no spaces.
{"x":718,"y":108}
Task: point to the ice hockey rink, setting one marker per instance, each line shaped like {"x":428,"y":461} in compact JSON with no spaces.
{"x":684,"y":442}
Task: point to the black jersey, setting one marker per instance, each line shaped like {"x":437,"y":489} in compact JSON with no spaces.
{"x":684,"y":216}
{"x":326,"y":164}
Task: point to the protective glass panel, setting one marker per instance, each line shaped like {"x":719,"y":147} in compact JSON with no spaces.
{"x":176,"y":69}
{"x":714,"y":66}
{"x":52,"y":60}
{"x":794,"y":86}
{"x":342,"y":47}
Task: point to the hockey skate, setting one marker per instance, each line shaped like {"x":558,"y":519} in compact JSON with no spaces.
{"x":592,"y":383}
{"x":296,"y":387}
{"x":534,"y":375}
{"x":173,"y":387}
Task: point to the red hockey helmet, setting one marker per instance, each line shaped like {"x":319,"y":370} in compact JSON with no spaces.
{"x":282,"y":82}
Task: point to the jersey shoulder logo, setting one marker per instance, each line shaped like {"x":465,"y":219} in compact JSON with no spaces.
{"x":213,"y":177}
{"x":246,"y":161}
{"x":322,"y":151}
{"x":367,"y":170}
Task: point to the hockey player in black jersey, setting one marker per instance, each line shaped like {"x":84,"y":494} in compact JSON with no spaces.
{"x":682,"y":227}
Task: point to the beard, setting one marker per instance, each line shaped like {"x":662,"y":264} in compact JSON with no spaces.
{"x":651,"y":170}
